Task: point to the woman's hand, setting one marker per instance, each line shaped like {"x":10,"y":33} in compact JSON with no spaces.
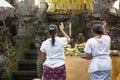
{"x":104,"y":26}
{"x":61,"y":26}
{"x":43,"y":56}
{"x":104,"y":23}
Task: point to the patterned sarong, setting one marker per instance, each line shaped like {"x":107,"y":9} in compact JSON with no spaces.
{"x":58,"y":73}
{"x":100,"y":75}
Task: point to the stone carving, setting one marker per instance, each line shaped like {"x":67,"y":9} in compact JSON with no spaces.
{"x":7,"y":51}
{"x":100,"y":8}
{"x":114,"y":30}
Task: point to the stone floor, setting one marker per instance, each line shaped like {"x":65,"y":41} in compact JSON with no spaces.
{"x":77,"y":68}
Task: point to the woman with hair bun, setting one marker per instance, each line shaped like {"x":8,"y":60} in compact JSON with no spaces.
{"x":97,"y":50}
{"x":53,"y":54}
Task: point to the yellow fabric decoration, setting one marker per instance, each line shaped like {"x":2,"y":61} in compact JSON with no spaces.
{"x":70,"y":6}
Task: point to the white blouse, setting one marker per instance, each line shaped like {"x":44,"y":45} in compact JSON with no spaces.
{"x":100,"y":50}
{"x":55,"y":56}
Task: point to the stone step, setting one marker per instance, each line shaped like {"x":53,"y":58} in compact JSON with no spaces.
{"x":27,"y":65}
{"x":3,"y":78}
{"x":30,"y":55}
{"x":24,"y":75}
{"x":31,"y":51}
{"x":27,"y":68}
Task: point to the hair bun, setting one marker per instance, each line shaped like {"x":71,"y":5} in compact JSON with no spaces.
{"x":53,"y":27}
{"x":97,"y":28}
{"x":100,"y":29}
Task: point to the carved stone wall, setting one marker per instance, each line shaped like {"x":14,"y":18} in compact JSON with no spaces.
{"x":114,"y":30}
{"x":100,"y":8}
{"x":7,"y":51}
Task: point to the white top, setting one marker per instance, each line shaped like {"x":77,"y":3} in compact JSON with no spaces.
{"x":100,"y":50}
{"x":55,"y":56}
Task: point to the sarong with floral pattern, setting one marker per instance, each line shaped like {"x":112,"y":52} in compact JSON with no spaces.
{"x":58,"y":73}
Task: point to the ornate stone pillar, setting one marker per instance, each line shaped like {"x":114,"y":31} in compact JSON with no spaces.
{"x":42,"y":9}
{"x":40,"y":35}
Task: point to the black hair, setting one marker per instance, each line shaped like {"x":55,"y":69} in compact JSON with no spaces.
{"x":97,"y":28}
{"x":102,"y":19}
{"x":53,"y":29}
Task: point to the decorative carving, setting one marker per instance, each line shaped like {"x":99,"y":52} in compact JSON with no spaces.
{"x":7,"y":51}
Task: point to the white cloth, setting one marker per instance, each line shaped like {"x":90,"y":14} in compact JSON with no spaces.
{"x":5,"y":4}
{"x":55,"y":56}
{"x":100,"y":50}
{"x":6,"y":10}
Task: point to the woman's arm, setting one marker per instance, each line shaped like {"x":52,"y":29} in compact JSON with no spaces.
{"x":88,"y":56}
{"x":43,"y":56}
{"x":88,"y":50}
{"x":64,"y":33}
{"x":104,"y":27}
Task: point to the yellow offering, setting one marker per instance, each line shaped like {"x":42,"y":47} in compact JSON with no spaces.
{"x":70,"y":6}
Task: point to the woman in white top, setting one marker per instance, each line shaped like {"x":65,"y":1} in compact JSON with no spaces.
{"x":53,"y":54}
{"x":97,"y":50}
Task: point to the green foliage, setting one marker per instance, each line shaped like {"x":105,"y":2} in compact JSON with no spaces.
{"x":24,"y":43}
{"x":81,"y":48}
{"x":76,"y":28}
